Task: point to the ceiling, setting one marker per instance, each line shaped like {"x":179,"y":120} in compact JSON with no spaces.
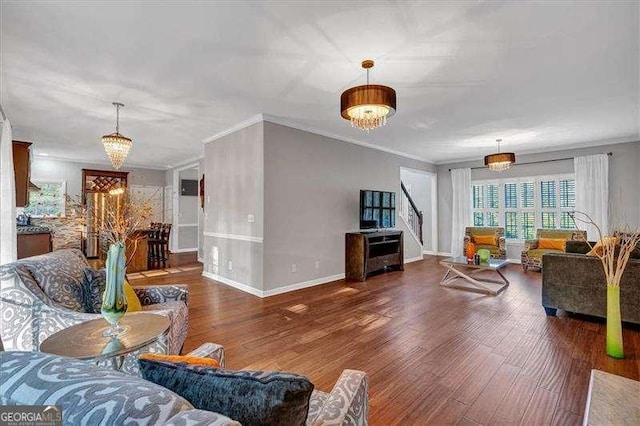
{"x":539,"y":75}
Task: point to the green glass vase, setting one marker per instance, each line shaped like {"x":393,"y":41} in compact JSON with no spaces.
{"x":114,"y":300}
{"x":615,"y":347}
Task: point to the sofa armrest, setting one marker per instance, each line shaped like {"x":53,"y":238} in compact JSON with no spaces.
{"x":530,"y":245}
{"x":348,"y":402}
{"x":210,"y":350}
{"x":200,"y":417}
{"x":150,"y":295}
{"x":25,"y":323}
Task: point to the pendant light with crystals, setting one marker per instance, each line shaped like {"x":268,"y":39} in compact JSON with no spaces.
{"x":500,"y":161}
{"x":368,"y":106}
{"x":117,"y":146}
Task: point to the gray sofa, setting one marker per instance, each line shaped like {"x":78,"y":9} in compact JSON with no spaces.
{"x":36,"y":301}
{"x":91,"y":395}
{"x":576,"y":283}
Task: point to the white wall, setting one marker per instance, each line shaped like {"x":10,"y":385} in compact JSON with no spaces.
{"x":421,"y":194}
{"x":624,"y":179}
{"x":188,"y":214}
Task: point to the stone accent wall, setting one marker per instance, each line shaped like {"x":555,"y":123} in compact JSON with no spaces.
{"x":66,"y":231}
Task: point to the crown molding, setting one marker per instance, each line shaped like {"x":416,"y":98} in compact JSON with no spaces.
{"x":295,"y":125}
{"x":243,"y":124}
{"x":187,"y":162}
{"x":578,"y":145}
{"x":97,"y":162}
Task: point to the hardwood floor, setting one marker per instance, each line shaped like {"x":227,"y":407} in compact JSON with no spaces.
{"x":433,"y":355}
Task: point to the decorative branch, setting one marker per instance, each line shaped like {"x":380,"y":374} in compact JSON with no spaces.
{"x":624,"y":241}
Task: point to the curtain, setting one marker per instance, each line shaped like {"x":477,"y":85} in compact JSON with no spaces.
{"x":461,"y":209}
{"x":592,"y":192}
{"x":8,"y":238}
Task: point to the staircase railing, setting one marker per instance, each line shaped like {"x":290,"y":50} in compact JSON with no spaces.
{"x":414,"y":216}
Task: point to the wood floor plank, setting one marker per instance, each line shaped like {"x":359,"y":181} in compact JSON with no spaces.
{"x":433,"y":355}
{"x":491,"y":397}
{"x":515,"y":402}
{"x":541,"y":408}
{"x":449,"y":413}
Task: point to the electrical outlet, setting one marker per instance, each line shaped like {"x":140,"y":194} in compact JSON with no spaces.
{"x":230,"y":266}
{"x":294,"y":268}
{"x":251,"y":218}
{"x":317,"y":264}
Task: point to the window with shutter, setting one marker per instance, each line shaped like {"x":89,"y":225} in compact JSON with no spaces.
{"x":525,"y":204}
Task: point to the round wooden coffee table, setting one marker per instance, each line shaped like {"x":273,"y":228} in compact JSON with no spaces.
{"x":85,"y":341}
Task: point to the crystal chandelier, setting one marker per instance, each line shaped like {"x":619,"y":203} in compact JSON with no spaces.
{"x":500,"y":161}
{"x":368,"y":106}
{"x":116,"y":145}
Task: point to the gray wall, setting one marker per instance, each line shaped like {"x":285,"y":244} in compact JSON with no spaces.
{"x":624,"y":179}
{"x":311,"y":198}
{"x":43,"y":168}
{"x":234,"y":188}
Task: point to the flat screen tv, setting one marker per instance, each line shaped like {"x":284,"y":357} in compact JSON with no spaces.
{"x":377,"y":209}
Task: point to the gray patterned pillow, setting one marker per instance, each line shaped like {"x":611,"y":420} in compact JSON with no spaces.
{"x":93,"y":285}
{"x":59,"y":274}
{"x":249,"y":397}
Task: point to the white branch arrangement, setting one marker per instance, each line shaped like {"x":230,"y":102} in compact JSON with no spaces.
{"x":625,"y":241}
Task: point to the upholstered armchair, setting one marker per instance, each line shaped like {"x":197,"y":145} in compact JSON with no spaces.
{"x":531,"y":256}
{"x":37,"y":300}
{"x":498,"y":248}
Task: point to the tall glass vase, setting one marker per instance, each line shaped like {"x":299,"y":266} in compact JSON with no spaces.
{"x":114,"y":301}
{"x":615,"y":347}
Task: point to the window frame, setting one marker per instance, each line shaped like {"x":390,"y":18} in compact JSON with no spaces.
{"x":537,"y":208}
{"x":63,"y":197}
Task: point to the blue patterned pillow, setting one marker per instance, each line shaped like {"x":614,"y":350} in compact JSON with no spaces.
{"x":249,"y":397}
{"x":93,"y":285}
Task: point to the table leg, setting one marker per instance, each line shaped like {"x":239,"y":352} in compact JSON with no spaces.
{"x":453,"y":274}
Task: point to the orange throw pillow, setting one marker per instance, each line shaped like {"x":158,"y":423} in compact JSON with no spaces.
{"x":552,"y":243}
{"x":487,"y":240}
{"x":191,"y":360}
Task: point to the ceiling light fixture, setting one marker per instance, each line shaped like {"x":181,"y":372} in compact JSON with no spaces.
{"x":368,"y":106}
{"x":116,"y":145}
{"x":500,"y":161}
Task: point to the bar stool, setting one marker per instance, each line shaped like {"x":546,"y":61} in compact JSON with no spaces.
{"x":158,"y":241}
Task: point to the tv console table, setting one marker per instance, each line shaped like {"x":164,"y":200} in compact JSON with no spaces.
{"x":367,"y":252}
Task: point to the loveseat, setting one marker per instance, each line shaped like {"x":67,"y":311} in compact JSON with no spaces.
{"x":40,"y":295}
{"x":90,"y":394}
{"x":575,"y":282}
{"x":531,"y":255}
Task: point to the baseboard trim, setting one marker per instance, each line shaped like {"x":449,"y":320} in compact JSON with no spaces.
{"x":436,"y":253}
{"x":201,"y":260}
{"x":280,"y":290}
{"x":184,"y":250}
{"x":413,"y":259}
{"x":235,"y":284}
{"x":233,"y":237}
{"x":301,"y":285}
{"x":515,"y":261}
